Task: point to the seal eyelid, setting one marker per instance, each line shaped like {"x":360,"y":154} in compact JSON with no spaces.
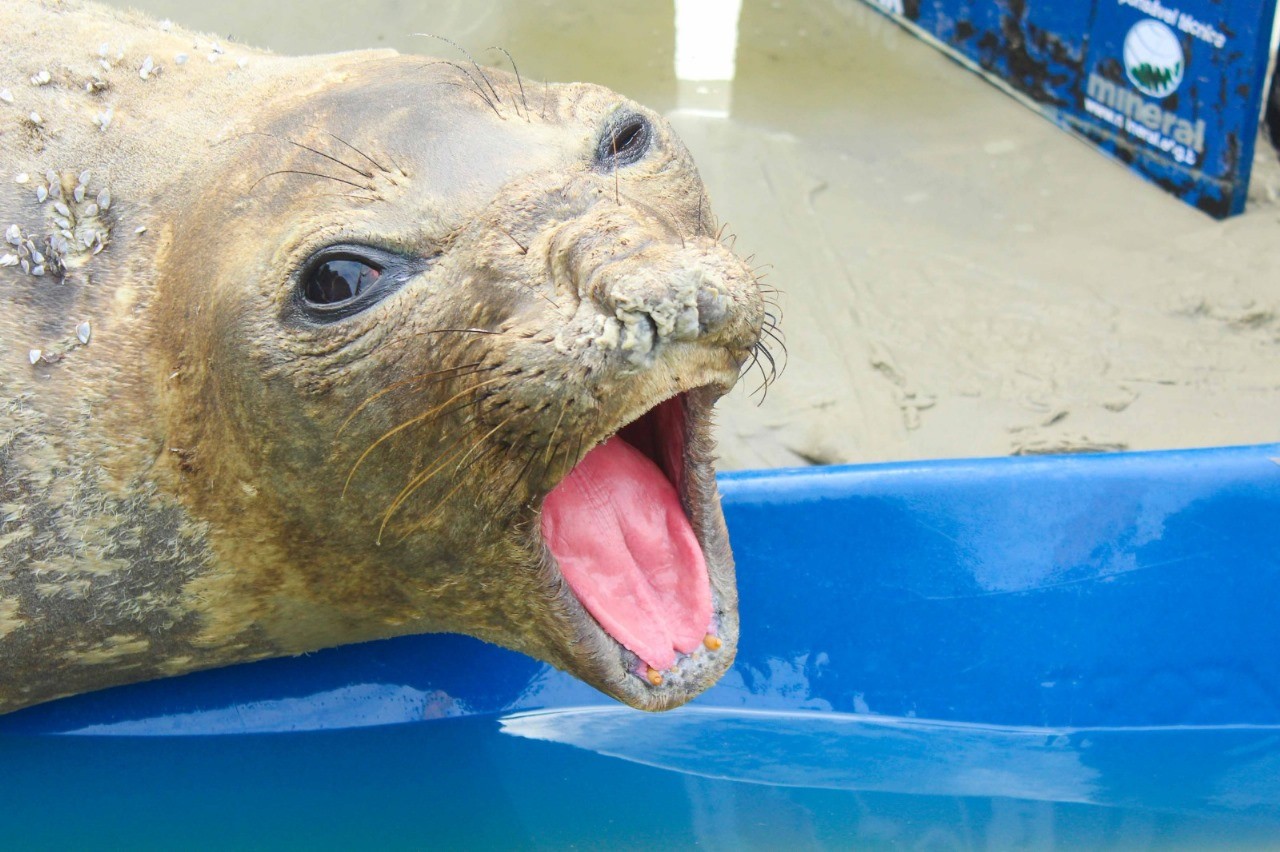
{"x":624,"y":141}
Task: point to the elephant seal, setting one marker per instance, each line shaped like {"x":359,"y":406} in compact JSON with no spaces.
{"x":297,"y":352}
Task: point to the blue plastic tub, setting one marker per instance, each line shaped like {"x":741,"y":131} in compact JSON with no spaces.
{"x":1062,"y":651}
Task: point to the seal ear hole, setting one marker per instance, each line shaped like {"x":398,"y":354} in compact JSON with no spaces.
{"x":335,"y":280}
{"x":624,"y":142}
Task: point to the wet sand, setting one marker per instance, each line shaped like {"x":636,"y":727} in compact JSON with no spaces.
{"x":960,"y":277}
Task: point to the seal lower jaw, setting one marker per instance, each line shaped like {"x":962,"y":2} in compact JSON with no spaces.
{"x":635,"y":534}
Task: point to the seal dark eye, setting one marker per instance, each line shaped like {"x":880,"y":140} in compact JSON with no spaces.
{"x":342,"y":280}
{"x":625,"y":141}
{"x":339,"y":280}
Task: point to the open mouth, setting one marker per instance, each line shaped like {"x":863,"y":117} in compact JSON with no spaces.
{"x":620,"y":527}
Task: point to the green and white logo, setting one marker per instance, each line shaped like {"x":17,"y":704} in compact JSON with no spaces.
{"x":1153,"y":58}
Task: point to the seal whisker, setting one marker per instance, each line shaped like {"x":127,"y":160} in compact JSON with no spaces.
{"x":501,"y":461}
{"x":773,"y":365}
{"x":338,"y":138}
{"x":613,"y":141}
{"x":354,"y":195}
{"x":303,"y":172}
{"x":467,"y":54}
{"x":746,"y":369}
{"x":424,"y":520}
{"x":763,"y":386}
{"x":438,"y":375}
{"x":473,"y":91}
{"x":567,"y":465}
{"x":511,"y":489}
{"x":476,"y":445}
{"x":551,"y":441}
{"x":570,"y":461}
{"x":519,"y":81}
{"x":480,"y":71}
{"x":524,"y":249}
{"x":414,"y":483}
{"x":464,"y":331}
{"x":416,"y":420}
{"x":543,"y":296}
{"x":315,"y":151}
{"x":768,"y":355}
{"x":422,"y":479}
{"x":771,"y":330}
{"x":774,"y":370}
{"x":471,"y":78}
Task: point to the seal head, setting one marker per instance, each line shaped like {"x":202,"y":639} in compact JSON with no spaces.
{"x":468,"y":385}
{"x":381,"y":345}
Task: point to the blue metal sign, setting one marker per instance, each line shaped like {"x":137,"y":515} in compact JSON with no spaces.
{"x":1172,"y":88}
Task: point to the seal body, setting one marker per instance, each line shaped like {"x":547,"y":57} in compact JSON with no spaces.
{"x":304,"y":351}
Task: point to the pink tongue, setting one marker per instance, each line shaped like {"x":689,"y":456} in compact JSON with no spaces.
{"x":616,"y":526}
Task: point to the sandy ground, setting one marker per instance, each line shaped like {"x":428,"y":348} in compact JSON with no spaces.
{"x":960,"y":277}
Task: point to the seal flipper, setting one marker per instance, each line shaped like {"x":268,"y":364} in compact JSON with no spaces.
{"x":619,"y":531}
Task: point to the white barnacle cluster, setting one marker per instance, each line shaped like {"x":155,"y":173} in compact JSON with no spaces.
{"x":103,"y":119}
{"x":78,"y":216}
{"x":105,"y":56}
{"x":80,"y":228}
{"x":25,"y":253}
{"x":40,"y":260}
{"x":216,"y":52}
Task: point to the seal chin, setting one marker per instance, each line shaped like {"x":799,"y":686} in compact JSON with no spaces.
{"x":635,"y":532}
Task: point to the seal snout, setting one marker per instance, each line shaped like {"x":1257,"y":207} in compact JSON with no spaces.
{"x":696,"y":293}
{"x":647,"y":288}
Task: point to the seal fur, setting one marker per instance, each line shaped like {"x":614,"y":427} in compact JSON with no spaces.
{"x":200,"y":467}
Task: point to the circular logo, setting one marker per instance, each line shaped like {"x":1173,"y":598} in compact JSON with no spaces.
{"x":1153,"y":58}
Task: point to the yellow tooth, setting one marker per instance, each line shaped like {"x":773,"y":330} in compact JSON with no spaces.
{"x":712,"y":643}
{"x":654,"y":676}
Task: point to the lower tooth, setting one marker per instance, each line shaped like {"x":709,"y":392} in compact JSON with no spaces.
{"x":654,"y":676}
{"x":712,"y":643}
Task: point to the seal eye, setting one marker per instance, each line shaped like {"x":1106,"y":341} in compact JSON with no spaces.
{"x":343,"y":280}
{"x":624,"y":142}
{"x":339,"y":280}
